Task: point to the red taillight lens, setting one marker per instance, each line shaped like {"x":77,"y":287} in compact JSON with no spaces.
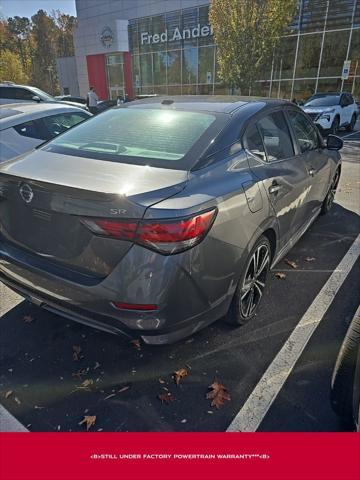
{"x":168,"y":236}
{"x":134,"y":306}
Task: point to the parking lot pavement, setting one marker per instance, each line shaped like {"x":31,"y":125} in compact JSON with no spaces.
{"x":41,"y":384}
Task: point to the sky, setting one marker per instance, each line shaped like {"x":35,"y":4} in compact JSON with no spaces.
{"x":27,"y":8}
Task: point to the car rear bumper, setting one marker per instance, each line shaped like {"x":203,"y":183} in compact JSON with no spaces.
{"x":184,"y":305}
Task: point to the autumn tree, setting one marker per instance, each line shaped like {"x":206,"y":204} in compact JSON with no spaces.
{"x":246,"y":33}
{"x":65,"y":28}
{"x":11,"y":68}
{"x":19,"y":41}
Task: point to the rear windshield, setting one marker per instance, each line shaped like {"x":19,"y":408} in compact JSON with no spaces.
{"x":135,"y":135}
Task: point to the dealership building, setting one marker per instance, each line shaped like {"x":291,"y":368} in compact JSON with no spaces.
{"x":167,"y":47}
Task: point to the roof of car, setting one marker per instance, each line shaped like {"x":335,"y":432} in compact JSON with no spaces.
{"x":209,"y":103}
{"x":14,"y":113}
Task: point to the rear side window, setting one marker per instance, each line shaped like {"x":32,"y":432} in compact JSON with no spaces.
{"x":276,"y":137}
{"x":304,"y":131}
{"x":123,"y":134}
{"x":56,"y":124}
{"x":253,"y":142}
{"x":30,"y":129}
{"x":16,"y":93}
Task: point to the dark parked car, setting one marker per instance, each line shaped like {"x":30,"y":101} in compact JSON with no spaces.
{"x":69,"y":98}
{"x":161,"y":216}
{"x":345,"y":383}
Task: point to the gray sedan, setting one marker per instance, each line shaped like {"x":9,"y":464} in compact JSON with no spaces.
{"x":161,"y":216}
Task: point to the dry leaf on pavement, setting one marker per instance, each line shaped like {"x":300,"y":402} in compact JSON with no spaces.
{"x":28,"y":318}
{"x":124,"y":388}
{"x":87,"y":384}
{"x":291,"y":263}
{"x":178,"y":375}
{"x":80,"y":373}
{"x":310,"y":259}
{"x":166,"y":398}
{"x":77,"y":352}
{"x":280,"y":275}
{"x":17,"y":400}
{"x":8,"y":393}
{"x":162,"y":381}
{"x":89,"y":420}
{"x":136,"y":344}
{"x":218,"y":395}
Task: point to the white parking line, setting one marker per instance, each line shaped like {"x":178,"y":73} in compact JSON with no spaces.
{"x":260,"y":400}
{"x":349,"y":134}
{"x":8,"y":423}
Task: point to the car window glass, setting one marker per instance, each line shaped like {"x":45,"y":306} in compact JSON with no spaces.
{"x":304,"y":131}
{"x":56,"y":124}
{"x":276,"y":136}
{"x":253,"y":142}
{"x":23,"y":94}
{"x":6,"y":92}
{"x":29,"y":129}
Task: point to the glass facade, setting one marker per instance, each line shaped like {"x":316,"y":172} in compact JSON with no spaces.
{"x":175,"y":53}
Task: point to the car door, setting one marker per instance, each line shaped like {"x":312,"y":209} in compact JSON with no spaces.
{"x":273,"y":160}
{"x":310,"y":149}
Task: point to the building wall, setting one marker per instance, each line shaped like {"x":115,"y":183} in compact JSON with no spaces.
{"x":67,"y":74}
{"x":309,"y":58}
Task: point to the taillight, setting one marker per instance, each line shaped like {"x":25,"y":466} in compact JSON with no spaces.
{"x":164,"y":236}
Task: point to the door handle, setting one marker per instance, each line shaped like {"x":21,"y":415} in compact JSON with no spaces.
{"x":311,"y":171}
{"x":274,"y":188}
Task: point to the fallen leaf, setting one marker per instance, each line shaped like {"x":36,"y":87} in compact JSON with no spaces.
{"x":109,"y":396}
{"x":310,"y":259}
{"x":166,"y":398}
{"x":124,"y":388}
{"x":183,"y":420}
{"x":77,"y":352}
{"x":136,"y":344}
{"x":218,"y":395}
{"x":97,"y":365}
{"x":28,"y":318}
{"x":280,"y":275}
{"x":161,"y":380}
{"x":89,"y":420}
{"x":87,"y":384}
{"x":37,"y":407}
{"x":291,"y":263}
{"x":17,"y":400}
{"x":8,"y":393}
{"x":178,"y":375}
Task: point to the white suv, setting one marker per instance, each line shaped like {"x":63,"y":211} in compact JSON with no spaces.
{"x":12,"y":93}
{"x":331,"y":111}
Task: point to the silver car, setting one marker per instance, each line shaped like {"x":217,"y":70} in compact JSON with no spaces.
{"x":156,"y":218}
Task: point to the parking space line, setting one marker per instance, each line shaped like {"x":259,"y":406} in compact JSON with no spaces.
{"x":349,"y":134}
{"x":8,"y":423}
{"x":260,"y":400}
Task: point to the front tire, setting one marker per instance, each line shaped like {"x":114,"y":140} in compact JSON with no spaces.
{"x":342,"y":383}
{"x":329,"y":199}
{"x":351,"y":125}
{"x":335,"y":126}
{"x":251,"y":286}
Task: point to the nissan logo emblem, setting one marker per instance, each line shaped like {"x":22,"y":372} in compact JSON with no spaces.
{"x":26,"y":192}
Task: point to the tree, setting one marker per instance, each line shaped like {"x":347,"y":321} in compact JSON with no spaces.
{"x":11,"y":68}
{"x":65,"y":28}
{"x":19,"y":29}
{"x":246,"y":32}
{"x":44,"y":32}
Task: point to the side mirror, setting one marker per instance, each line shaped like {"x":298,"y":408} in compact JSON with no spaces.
{"x":36,"y":98}
{"x":334,"y":143}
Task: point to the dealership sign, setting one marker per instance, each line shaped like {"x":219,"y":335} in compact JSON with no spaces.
{"x":177,"y":34}
{"x":107,"y":37}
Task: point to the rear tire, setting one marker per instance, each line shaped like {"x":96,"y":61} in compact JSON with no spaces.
{"x":342,"y":383}
{"x":251,"y":286}
{"x":329,"y":199}
{"x":351,"y":125}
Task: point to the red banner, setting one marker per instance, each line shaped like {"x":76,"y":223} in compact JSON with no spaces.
{"x":278,"y":456}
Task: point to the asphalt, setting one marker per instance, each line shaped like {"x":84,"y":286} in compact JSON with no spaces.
{"x":38,"y":367}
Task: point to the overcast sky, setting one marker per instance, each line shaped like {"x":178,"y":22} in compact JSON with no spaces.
{"x":27,"y":8}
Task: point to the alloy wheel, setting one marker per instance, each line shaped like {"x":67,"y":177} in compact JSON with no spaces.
{"x":254,"y":280}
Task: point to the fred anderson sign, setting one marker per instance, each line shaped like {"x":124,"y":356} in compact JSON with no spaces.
{"x":177,"y":34}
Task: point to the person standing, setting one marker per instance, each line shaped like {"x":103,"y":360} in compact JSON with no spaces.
{"x":92,"y":100}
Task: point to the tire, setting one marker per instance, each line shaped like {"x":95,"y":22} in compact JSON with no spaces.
{"x":329,"y":199}
{"x":342,"y":382}
{"x":251,"y":287}
{"x":351,"y":125}
{"x":335,"y":126}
